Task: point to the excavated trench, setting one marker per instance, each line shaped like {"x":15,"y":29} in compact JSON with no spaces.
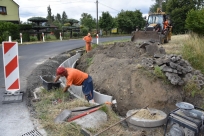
{"x":124,"y":71}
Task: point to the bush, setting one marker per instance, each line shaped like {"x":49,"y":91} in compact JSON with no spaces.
{"x":26,"y":37}
{"x":66,"y":35}
{"x":5,"y":35}
{"x":32,"y":39}
{"x":48,"y":38}
{"x":195,"y":21}
{"x":57,"y":33}
{"x":8,"y":29}
{"x":84,"y":31}
{"x":25,"y":26}
{"x":75,"y":34}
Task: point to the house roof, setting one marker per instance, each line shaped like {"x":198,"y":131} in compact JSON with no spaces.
{"x":15,"y":3}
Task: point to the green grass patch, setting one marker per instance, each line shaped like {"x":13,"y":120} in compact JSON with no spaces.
{"x":49,"y":108}
{"x":159,"y":73}
{"x":94,"y":45}
{"x":89,"y":61}
{"x":192,"y":89}
{"x":46,"y":111}
{"x":193,"y":51}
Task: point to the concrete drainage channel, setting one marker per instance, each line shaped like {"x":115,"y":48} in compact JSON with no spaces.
{"x":99,"y":98}
{"x":77,"y":90}
{"x":47,"y":81}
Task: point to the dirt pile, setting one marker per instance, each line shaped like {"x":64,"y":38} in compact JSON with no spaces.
{"x":116,"y":70}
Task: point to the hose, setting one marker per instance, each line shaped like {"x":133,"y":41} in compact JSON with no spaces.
{"x":87,"y":108}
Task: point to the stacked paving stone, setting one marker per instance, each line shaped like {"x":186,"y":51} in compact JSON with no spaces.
{"x":177,"y":70}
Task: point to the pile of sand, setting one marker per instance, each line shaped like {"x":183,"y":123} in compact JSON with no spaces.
{"x":145,"y":114}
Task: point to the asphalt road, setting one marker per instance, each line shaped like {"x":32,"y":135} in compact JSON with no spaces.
{"x":14,"y":117}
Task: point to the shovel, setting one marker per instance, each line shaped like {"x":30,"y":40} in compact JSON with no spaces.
{"x":65,"y":114}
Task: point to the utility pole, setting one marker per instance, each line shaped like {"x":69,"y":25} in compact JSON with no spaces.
{"x":97,"y":16}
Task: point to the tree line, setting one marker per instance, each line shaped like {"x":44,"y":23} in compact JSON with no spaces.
{"x":126,"y":21}
{"x":185,"y":14}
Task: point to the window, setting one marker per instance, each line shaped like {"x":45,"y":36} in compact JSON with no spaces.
{"x":3,"y":10}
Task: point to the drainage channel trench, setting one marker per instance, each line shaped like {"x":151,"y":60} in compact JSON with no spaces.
{"x":76,"y":91}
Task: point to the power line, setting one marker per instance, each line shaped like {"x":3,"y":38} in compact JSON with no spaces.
{"x":109,"y":7}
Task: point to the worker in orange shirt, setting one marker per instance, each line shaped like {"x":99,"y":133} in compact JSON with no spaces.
{"x":166,"y":24}
{"x":78,"y":78}
{"x":88,"y":40}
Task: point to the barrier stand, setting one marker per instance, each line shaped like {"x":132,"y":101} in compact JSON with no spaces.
{"x":60,"y":36}
{"x":9,"y":38}
{"x":97,"y":38}
{"x":11,"y":73}
{"x":21,"y":37}
{"x":43,"y":37}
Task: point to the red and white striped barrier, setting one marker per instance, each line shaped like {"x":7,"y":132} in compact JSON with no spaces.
{"x":96,"y":38}
{"x":11,"y":66}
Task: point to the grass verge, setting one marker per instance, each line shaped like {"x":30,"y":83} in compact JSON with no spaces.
{"x":54,"y":102}
{"x":193,"y":51}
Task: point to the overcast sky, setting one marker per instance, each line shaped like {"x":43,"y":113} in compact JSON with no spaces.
{"x":74,"y":8}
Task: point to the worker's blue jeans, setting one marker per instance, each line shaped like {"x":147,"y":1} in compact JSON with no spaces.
{"x":87,"y":88}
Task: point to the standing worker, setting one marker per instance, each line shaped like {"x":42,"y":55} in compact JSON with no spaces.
{"x":88,"y":40}
{"x":78,"y":78}
{"x":166,"y":24}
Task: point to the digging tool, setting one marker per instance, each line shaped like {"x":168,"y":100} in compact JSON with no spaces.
{"x":119,"y":121}
{"x":90,"y":111}
{"x":83,"y":114}
{"x":65,"y":114}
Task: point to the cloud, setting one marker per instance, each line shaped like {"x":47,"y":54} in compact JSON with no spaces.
{"x":74,"y":8}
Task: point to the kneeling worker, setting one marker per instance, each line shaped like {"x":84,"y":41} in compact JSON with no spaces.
{"x":78,"y":78}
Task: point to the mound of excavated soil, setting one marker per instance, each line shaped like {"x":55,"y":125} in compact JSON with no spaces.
{"x":114,"y":69}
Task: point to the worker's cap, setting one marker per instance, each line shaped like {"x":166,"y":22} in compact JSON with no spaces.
{"x":60,"y":70}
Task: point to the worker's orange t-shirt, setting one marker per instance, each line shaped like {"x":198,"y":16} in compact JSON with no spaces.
{"x":75,"y":77}
{"x":88,"y":39}
{"x":166,"y":24}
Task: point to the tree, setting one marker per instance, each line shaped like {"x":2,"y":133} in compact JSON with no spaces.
{"x":106,"y":22}
{"x":195,"y":21}
{"x":37,"y":25}
{"x":64,"y":17}
{"x":128,"y":20}
{"x":178,"y":10}
{"x":87,"y":21}
{"x":199,"y":4}
{"x":58,"y":21}
{"x":58,"y":18}
{"x":49,"y":15}
{"x":154,"y":7}
{"x":72,"y":25}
